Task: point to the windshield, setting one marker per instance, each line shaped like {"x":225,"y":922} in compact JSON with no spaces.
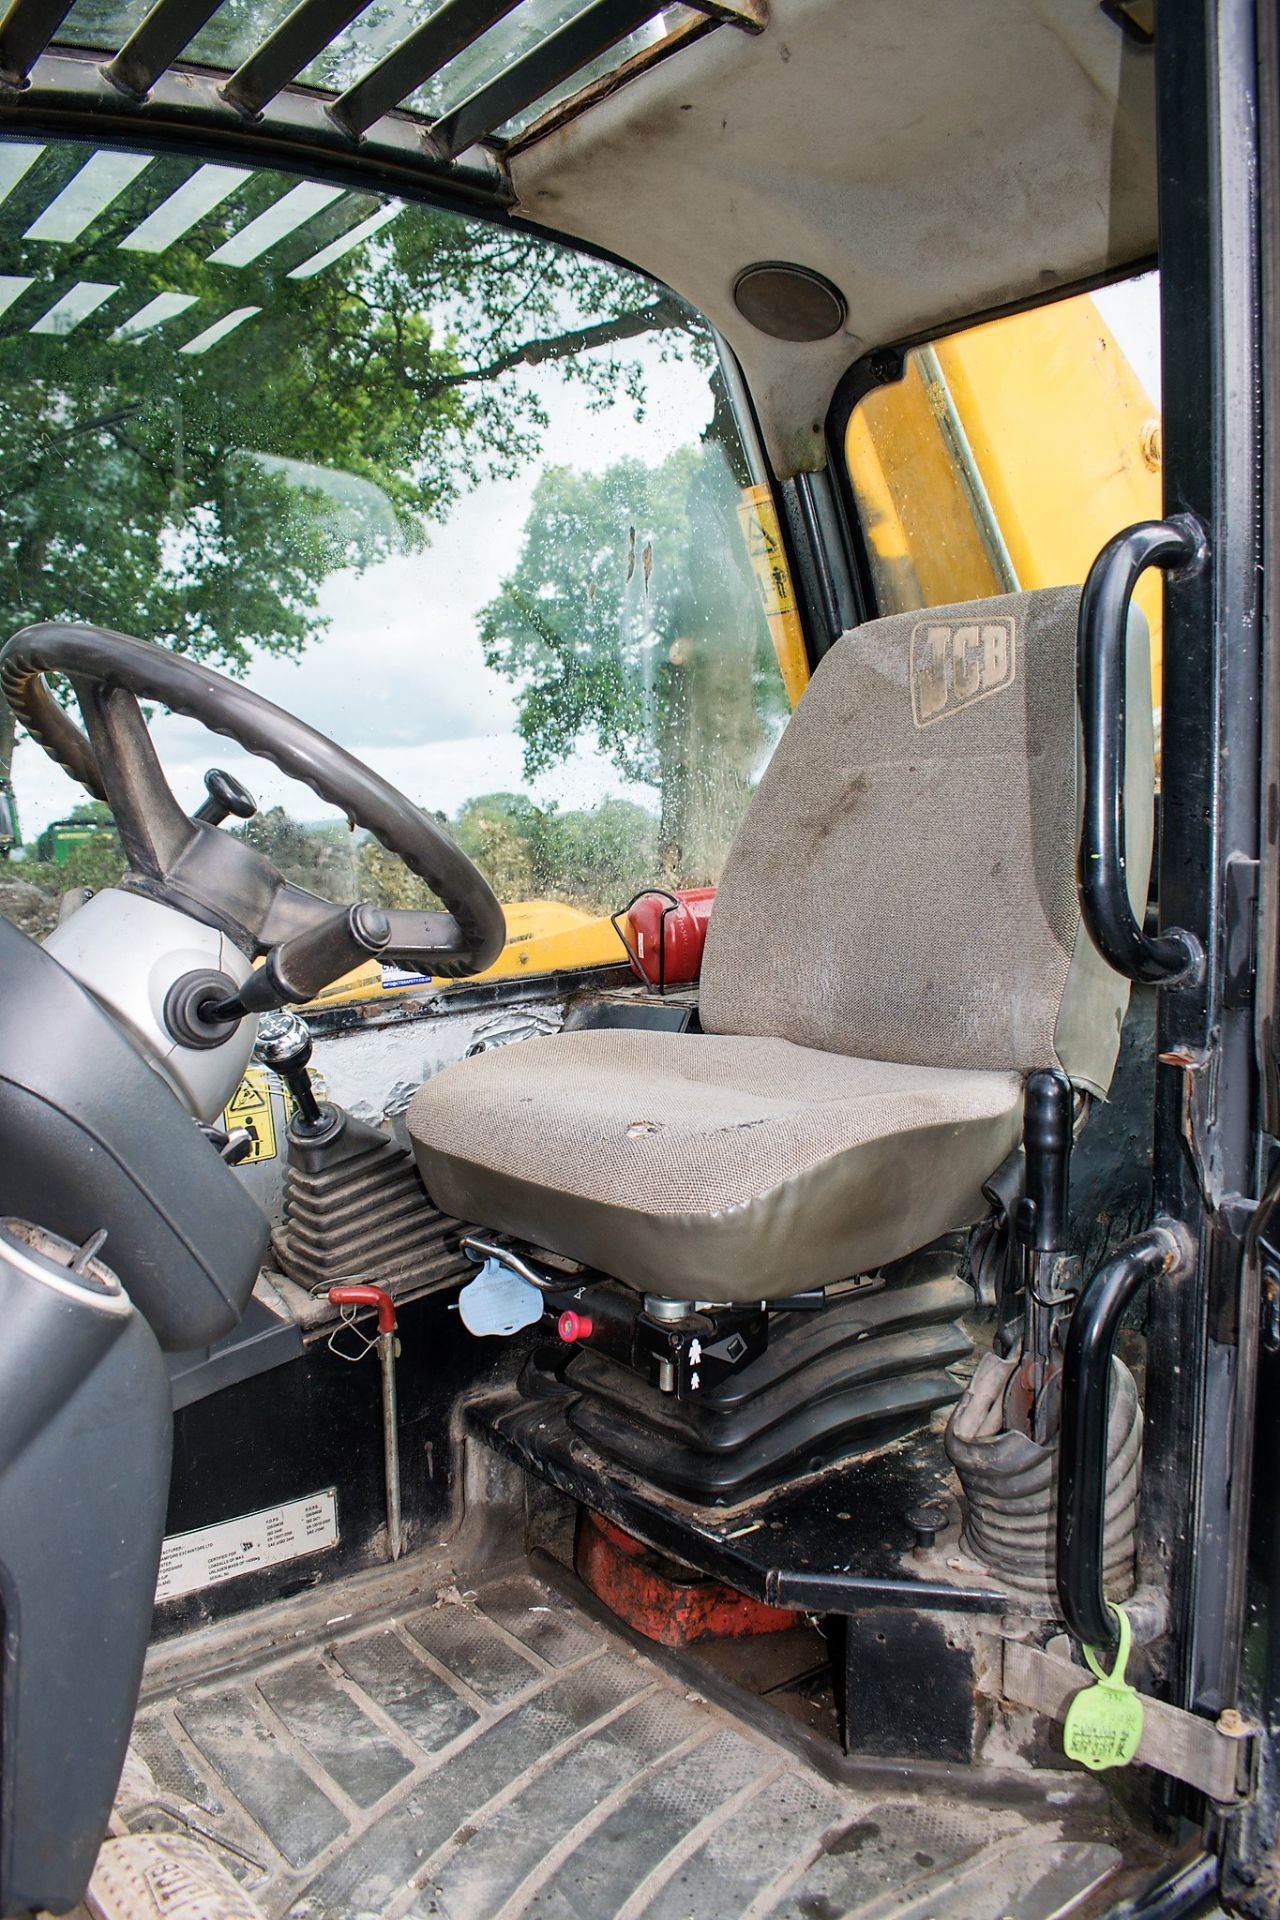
{"x":473,"y":505}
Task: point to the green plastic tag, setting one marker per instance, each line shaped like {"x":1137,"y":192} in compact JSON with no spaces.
{"x":1103,"y":1727}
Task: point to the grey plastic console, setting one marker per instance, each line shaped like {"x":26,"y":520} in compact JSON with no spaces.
{"x":91,"y":1137}
{"x":85,"y":1443}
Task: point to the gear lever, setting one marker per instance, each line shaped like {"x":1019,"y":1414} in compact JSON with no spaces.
{"x":1042,"y":1225}
{"x":354,"y":1205}
{"x":284,"y":1045}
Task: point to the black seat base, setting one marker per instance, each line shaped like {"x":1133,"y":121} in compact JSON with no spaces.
{"x":867,"y":1369}
{"x":830,"y":1543}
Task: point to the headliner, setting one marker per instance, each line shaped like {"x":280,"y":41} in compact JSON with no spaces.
{"x":935,"y":165}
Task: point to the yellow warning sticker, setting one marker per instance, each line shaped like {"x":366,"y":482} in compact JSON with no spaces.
{"x":760,"y":530}
{"x":250,"y":1108}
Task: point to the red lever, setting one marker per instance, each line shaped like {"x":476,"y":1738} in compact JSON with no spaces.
{"x":367,"y":1297}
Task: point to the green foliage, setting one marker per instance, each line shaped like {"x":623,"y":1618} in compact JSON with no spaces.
{"x":388,"y":882}
{"x":601,"y":582}
{"x":632,"y":618}
{"x":593,"y":858}
{"x":94,"y":862}
{"x":190,"y":498}
{"x":500,"y":832}
{"x":324,"y":860}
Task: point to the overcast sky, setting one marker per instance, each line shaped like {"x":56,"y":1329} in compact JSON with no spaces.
{"x":399,"y":678}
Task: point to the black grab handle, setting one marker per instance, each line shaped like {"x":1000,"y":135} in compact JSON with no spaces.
{"x":1157,"y":959}
{"x":1086,"y":1394}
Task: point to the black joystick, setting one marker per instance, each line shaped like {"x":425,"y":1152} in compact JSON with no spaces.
{"x":284,"y":1045}
{"x":226,"y":795}
{"x":298,"y":968}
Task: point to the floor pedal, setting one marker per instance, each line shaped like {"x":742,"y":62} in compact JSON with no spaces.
{"x":147,"y":1876}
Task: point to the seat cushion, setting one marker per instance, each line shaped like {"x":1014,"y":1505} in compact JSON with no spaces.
{"x":712,"y":1167}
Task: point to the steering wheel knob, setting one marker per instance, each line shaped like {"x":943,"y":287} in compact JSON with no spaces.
{"x":226,"y":795}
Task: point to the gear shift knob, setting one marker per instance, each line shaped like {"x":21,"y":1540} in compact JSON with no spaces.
{"x":284,"y":1045}
{"x":283,"y":1042}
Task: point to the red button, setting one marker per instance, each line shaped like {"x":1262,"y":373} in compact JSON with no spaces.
{"x":573,"y":1326}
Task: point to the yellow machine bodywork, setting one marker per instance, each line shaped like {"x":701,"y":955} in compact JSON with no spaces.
{"x":1007,"y":456}
{"x":543,"y":936}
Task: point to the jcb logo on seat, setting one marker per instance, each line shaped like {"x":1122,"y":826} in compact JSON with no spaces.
{"x":954,"y":664}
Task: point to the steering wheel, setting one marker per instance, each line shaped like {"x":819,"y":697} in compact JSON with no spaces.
{"x":209,"y":875}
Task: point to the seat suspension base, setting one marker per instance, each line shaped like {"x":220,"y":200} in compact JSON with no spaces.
{"x":871,"y":1366}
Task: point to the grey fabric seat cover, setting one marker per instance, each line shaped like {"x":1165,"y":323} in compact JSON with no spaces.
{"x":896,"y":943}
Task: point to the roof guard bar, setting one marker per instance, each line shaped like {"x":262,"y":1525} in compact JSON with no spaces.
{"x":1174,"y":954}
{"x":144,"y":66}
{"x":560,"y":55}
{"x":308,"y":30}
{"x":156,"y":42}
{"x":300,"y":37}
{"x":26,"y":30}
{"x":751,"y":15}
{"x":449,"y":30}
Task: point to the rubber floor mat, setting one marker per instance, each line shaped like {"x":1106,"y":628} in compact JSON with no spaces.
{"x":501,"y":1756}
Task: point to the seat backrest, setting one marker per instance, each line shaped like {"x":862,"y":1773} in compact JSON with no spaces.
{"x":903,"y":884}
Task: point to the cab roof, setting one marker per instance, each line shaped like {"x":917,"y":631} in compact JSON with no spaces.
{"x":886,"y":171}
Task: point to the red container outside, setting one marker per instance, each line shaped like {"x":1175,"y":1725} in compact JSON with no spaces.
{"x":664,"y":934}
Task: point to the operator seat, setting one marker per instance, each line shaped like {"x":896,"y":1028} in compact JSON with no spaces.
{"x":896,"y":944}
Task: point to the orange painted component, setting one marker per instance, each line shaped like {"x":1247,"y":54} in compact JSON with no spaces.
{"x":666,"y":1603}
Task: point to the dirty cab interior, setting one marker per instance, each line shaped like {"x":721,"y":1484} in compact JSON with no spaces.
{"x":652,"y":1427}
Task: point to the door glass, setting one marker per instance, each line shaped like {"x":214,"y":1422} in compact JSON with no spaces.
{"x":468,"y":502}
{"x":1008,"y":455}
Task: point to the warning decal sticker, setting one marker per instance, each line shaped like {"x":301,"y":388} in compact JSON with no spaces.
{"x":190,"y":1562}
{"x":250,"y":1107}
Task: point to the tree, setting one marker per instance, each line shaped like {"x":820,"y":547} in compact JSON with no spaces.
{"x":632,"y":619}
{"x":325,"y":860}
{"x":500,"y":831}
{"x":596,"y":857}
{"x":189,"y":498}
